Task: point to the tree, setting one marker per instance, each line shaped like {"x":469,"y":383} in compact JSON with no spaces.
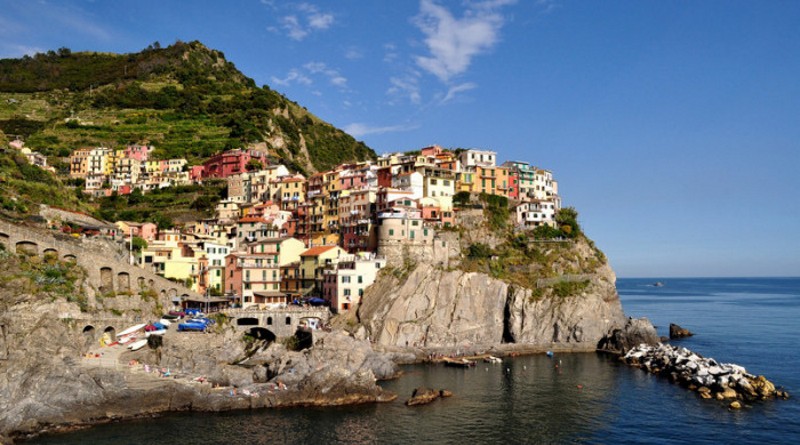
{"x":138,"y":244}
{"x":254,"y":165}
{"x":567,"y":219}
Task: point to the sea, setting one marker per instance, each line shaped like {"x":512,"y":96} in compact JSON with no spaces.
{"x":569,"y":398}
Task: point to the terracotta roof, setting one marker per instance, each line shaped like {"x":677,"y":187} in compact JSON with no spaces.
{"x":316,"y":251}
{"x":250,"y":220}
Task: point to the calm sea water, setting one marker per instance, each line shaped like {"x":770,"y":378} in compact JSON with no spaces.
{"x":752,"y":322}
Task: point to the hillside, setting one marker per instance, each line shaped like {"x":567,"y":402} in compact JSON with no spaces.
{"x":185,"y":99}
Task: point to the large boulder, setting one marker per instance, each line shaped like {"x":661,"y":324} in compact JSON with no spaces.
{"x":676,"y":332}
{"x":635,"y":332}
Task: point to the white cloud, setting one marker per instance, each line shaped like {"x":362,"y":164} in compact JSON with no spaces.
{"x":302,"y":19}
{"x":453,"y":42}
{"x":333,"y":75}
{"x":455,"y":90}
{"x":293,"y":77}
{"x":405,"y":87}
{"x":391,"y":52}
{"x":353,"y":53}
{"x":359,"y":129}
{"x":293,"y":29}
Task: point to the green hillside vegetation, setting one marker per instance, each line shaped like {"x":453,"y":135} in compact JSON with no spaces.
{"x":185,"y":99}
{"x":164,"y":206}
{"x":527,"y":256}
{"x":23,"y":187}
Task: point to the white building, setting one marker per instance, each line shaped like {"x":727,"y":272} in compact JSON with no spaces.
{"x":345,"y":281}
{"x":472,"y":158}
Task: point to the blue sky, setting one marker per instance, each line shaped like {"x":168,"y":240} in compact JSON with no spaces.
{"x":673,"y":127}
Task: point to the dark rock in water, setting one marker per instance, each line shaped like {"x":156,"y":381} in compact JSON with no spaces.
{"x":664,"y":338}
{"x":423,"y":396}
{"x":676,"y":331}
{"x":635,"y":332}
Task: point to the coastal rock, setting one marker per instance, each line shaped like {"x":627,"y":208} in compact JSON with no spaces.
{"x":423,"y":396}
{"x":635,"y":332}
{"x":676,"y":332}
{"x":430,"y":307}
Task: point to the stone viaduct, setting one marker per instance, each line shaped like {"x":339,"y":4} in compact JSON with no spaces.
{"x":281,"y":322}
{"x":106,"y":264}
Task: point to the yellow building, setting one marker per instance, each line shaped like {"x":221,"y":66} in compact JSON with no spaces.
{"x":312,"y":263}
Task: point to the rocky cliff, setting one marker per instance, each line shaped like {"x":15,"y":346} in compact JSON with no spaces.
{"x":499,"y":288}
{"x":438,"y":308}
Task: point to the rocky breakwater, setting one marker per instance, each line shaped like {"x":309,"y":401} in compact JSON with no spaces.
{"x":711,"y":379}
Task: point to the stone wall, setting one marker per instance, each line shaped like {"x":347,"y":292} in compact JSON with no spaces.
{"x":104,"y":261}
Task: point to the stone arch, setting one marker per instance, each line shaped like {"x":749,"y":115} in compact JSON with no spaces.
{"x":141,"y":283}
{"x":151,"y":284}
{"x":106,"y":280}
{"x":27,"y":247}
{"x":262,"y":334}
{"x":110,"y":331}
{"x":123,"y":282}
{"x":288,"y":321}
{"x":5,"y":239}
{"x":50,"y":251}
{"x":88,"y":334}
{"x":269,"y":321}
{"x":247,"y":321}
{"x":173,"y":293}
{"x":163,"y":294}
{"x":70,"y":257}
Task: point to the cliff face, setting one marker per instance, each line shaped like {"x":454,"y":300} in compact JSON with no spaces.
{"x":436,"y":308}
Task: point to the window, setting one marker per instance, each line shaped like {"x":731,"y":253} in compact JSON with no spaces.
{"x":288,"y":320}
{"x":360,"y":279}
{"x":391,"y":232}
{"x":345,"y":279}
{"x":347,"y":292}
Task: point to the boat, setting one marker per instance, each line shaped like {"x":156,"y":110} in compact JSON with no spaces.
{"x":131,"y":329}
{"x":135,"y":346}
{"x":458,"y":362}
{"x":158,"y":332}
{"x":492,"y":359}
{"x":165,"y":322}
{"x":658,"y":284}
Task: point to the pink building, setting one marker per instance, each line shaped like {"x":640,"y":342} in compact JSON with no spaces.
{"x":232,"y":162}
{"x":139,"y":152}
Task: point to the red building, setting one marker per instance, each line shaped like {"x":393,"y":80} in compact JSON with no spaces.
{"x":232,"y":162}
{"x":513,"y":183}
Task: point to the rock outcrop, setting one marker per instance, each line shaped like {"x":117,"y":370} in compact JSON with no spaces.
{"x":424,"y":396}
{"x":635,"y":332}
{"x":676,"y":332}
{"x":432,"y":308}
{"x":47,"y":383}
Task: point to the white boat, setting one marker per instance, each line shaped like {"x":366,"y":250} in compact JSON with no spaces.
{"x":126,"y":339}
{"x":137,"y":345}
{"x":165,"y":322}
{"x":158,"y":332}
{"x":493,"y":359}
{"x":131,"y":329}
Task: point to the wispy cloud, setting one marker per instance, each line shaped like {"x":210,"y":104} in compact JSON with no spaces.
{"x":456,"y":89}
{"x":390,"y":54}
{"x":406,"y":87}
{"x":333,"y":75}
{"x":359,"y":129}
{"x":353,"y":53}
{"x":300,"y":19}
{"x":453,"y":42}
{"x":293,"y":77}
